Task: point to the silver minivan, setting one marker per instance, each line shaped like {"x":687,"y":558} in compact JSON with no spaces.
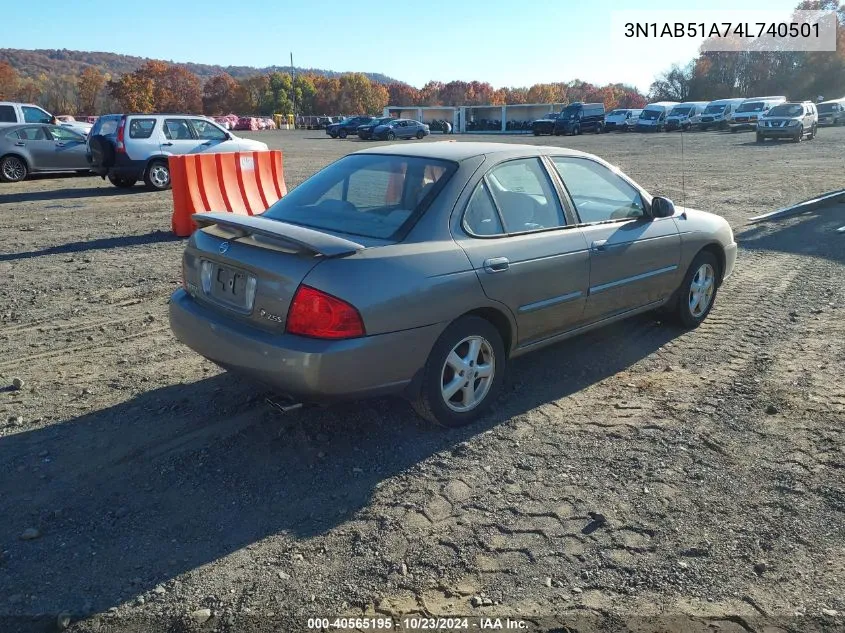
{"x":127,"y":148}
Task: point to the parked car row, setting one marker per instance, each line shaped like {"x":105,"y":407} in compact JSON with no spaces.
{"x":724,"y":114}
{"x":378,"y":128}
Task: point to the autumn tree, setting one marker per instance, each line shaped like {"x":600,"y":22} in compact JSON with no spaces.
{"x":9,"y":81}
{"x":89,"y":86}
{"x":219,"y":94}
{"x":401,"y":94}
{"x":158,"y":87}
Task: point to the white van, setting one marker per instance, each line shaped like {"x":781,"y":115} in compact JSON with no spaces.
{"x":746,"y":115}
{"x":682,"y":115}
{"x":832,"y":112}
{"x":653,"y":117}
{"x":623,"y":119}
{"x":718,"y":112}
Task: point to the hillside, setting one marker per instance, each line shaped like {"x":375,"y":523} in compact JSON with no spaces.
{"x":32,"y":63}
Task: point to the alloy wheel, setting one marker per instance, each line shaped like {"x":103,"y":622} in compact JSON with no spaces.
{"x":14,"y":169}
{"x":701,"y":290}
{"x":467,"y":374}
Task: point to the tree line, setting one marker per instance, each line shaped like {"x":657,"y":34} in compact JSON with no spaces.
{"x":799,"y":75}
{"x":162,"y":87}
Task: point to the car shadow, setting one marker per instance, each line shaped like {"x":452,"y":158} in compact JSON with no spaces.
{"x":133,"y":495}
{"x":103,"y":243}
{"x":813,"y":233}
{"x":69,"y":194}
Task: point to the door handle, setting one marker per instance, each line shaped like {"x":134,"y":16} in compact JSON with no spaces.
{"x":59,"y":144}
{"x":167,"y":144}
{"x":496,"y":264}
{"x":20,"y":144}
{"x":207,"y":143}
{"x":599,"y":245}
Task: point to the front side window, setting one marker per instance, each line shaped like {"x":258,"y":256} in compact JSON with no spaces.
{"x":177,"y":130}
{"x":525,"y":196}
{"x":65,"y":135}
{"x":370,"y":195}
{"x":35,"y":115}
{"x":207,"y":131}
{"x":599,"y":194}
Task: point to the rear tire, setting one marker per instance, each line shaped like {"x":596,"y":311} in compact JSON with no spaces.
{"x":472,"y":345}
{"x":697,"y":293}
{"x":157,"y":175}
{"x":122,"y":182}
{"x":342,"y":134}
{"x":333,"y":134}
{"x":536,"y":133}
{"x":13,"y":169}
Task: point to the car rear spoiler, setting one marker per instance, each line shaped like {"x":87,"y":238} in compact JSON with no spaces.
{"x":317,"y":242}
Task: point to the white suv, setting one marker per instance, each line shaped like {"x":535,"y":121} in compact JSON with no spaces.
{"x":789,"y":120}
{"x":132,"y":147}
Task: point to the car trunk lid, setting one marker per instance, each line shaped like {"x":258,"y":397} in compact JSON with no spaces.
{"x":250,"y":267}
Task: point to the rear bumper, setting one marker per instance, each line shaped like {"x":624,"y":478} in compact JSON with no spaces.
{"x":310,"y":370}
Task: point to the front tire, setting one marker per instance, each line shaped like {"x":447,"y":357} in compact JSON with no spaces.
{"x":463,"y":374}
{"x":760,"y":137}
{"x":342,"y":134}
{"x":157,"y":176}
{"x":799,"y":136}
{"x":420,"y":135}
{"x":697,"y":292}
{"x":390,"y":136}
{"x":812,"y":133}
{"x":576,"y":131}
{"x":13,"y":169}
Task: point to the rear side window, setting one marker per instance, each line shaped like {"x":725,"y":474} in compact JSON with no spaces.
{"x":33,"y":133}
{"x":141,"y":128}
{"x":7,"y":114}
{"x":525,"y":196}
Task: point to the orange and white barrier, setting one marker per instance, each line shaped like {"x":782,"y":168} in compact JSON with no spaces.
{"x":246,"y":183}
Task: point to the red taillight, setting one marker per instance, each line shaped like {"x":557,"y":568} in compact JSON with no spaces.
{"x":319,"y":315}
{"x":120,"y":146}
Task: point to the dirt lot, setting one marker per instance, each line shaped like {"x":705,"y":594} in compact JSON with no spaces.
{"x":627,"y":479}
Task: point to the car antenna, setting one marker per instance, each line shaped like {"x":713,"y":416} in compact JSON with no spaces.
{"x":683,"y":180}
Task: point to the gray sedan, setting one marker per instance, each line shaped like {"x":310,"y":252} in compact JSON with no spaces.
{"x":423,"y":270}
{"x":33,"y":147}
{"x":401,"y":128}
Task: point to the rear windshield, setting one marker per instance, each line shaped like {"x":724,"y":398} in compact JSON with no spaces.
{"x":105,"y":126}
{"x":370,"y":195}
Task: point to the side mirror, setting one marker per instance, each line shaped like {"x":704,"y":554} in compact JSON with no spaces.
{"x":228,"y":136}
{"x":662,"y":207}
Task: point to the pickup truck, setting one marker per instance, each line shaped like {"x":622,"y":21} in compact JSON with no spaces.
{"x":12,"y":113}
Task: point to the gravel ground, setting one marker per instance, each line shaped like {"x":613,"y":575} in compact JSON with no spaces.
{"x":636,"y":478}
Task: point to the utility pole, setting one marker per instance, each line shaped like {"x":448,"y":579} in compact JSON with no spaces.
{"x":293,"y":87}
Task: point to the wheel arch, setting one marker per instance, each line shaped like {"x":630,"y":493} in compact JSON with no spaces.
{"x":20,"y":156}
{"x":719,"y":253}
{"x":498,"y":320}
